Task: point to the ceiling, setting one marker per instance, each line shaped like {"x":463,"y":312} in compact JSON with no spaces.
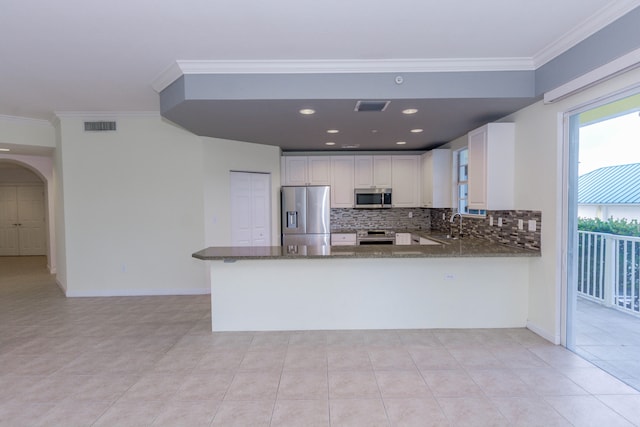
{"x":89,"y":56}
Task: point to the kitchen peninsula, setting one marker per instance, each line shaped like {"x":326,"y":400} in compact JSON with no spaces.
{"x":467,"y":283}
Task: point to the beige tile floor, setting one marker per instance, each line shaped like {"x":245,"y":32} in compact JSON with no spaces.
{"x":610,"y":339}
{"x":141,"y":361}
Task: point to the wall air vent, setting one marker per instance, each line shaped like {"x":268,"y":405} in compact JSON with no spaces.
{"x":362,"y":106}
{"x":99,"y":126}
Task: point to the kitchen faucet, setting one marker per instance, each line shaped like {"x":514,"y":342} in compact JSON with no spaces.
{"x":452,"y":222}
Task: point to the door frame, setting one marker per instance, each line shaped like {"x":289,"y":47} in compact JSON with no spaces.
{"x":569,"y":208}
{"x":43,"y":168}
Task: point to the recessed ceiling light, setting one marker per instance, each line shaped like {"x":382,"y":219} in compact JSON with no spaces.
{"x":307,"y":111}
{"x":330,"y":143}
{"x":333,"y":131}
{"x":401,"y":142}
{"x":374,"y":131}
{"x":410,"y":111}
{"x":417,"y":130}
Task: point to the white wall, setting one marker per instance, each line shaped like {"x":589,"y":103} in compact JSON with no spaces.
{"x":18,"y":131}
{"x":34,"y":136}
{"x":538,"y":186}
{"x":133,"y":208}
{"x":222,"y":156}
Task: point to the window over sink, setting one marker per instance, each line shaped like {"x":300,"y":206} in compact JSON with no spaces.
{"x":461,"y":160}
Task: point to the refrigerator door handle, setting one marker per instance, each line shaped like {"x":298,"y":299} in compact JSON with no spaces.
{"x":292,"y":219}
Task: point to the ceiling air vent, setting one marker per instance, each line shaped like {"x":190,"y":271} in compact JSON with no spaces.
{"x":362,"y":106}
{"x":99,"y":126}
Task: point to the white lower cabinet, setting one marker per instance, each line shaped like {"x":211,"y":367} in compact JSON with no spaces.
{"x":405,"y":181}
{"x":403,"y":238}
{"x":343,"y":239}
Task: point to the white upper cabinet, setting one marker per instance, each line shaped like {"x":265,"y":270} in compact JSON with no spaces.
{"x":491,"y":167}
{"x":342,"y":173}
{"x":372,"y":171}
{"x":436,"y":178}
{"x":303,"y":170}
{"x":405,"y":181}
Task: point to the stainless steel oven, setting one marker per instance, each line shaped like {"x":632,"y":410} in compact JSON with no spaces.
{"x":372,"y":198}
{"x":375,"y":237}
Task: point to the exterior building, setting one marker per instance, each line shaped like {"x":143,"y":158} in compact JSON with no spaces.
{"x":610,"y":192}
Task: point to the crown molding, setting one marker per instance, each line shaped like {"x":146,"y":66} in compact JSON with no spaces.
{"x":320,"y":66}
{"x":25,"y":120}
{"x":104,"y":115}
{"x":590,"y":26}
{"x":172,"y":73}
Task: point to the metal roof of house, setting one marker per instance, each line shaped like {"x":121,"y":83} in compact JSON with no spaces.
{"x":611,"y":185}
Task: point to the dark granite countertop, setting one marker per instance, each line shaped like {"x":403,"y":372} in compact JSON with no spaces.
{"x":468,"y":247}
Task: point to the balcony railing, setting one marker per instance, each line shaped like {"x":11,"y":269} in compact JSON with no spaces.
{"x":609,"y":270}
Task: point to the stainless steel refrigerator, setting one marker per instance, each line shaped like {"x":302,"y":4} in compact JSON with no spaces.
{"x":306,"y":215}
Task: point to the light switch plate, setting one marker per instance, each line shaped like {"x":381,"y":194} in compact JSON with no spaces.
{"x":520,"y":224}
{"x":499,"y":222}
{"x":532,"y":225}
{"x":490,"y":220}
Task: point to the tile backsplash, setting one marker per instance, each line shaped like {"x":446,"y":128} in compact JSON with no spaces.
{"x":391,"y":219}
{"x":508,"y":233}
{"x":437,"y":220}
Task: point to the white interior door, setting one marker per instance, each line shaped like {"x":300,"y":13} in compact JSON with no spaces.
{"x":22,"y":229}
{"x":9,"y":221}
{"x":250,"y":209}
{"x":31,"y":229}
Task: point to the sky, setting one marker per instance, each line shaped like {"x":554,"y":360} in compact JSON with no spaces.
{"x":609,"y":143}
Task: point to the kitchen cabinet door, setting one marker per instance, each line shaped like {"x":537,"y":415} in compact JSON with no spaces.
{"x":342,"y":181}
{"x":319,"y":170}
{"x":436,"y":178}
{"x":343,"y":239}
{"x":295,"y":170}
{"x":372,"y":171}
{"x":382,"y":171}
{"x":363,"y":172}
{"x":405,"y":181}
{"x":307,"y":170}
{"x":491,"y":167}
{"x":403,"y":238}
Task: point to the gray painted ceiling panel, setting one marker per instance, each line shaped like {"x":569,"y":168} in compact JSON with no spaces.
{"x":278,"y":122}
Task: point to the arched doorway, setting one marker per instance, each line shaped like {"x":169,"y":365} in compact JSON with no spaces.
{"x":23,"y":210}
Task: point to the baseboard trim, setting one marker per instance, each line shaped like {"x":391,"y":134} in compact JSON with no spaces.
{"x":62,"y":287}
{"x":555,"y":339}
{"x":136,"y":292}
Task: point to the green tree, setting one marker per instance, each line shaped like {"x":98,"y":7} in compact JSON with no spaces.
{"x":622,"y":227}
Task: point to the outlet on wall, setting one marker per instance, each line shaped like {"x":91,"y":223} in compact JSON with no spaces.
{"x":499,"y":222}
{"x":490,"y":220}
{"x":410,"y":214}
{"x":532,"y":225}
{"x":520,"y":224}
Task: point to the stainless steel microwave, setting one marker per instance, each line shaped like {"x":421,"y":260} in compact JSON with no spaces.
{"x":372,"y":198}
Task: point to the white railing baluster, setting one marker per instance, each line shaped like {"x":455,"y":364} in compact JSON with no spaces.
{"x":608,"y":270}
